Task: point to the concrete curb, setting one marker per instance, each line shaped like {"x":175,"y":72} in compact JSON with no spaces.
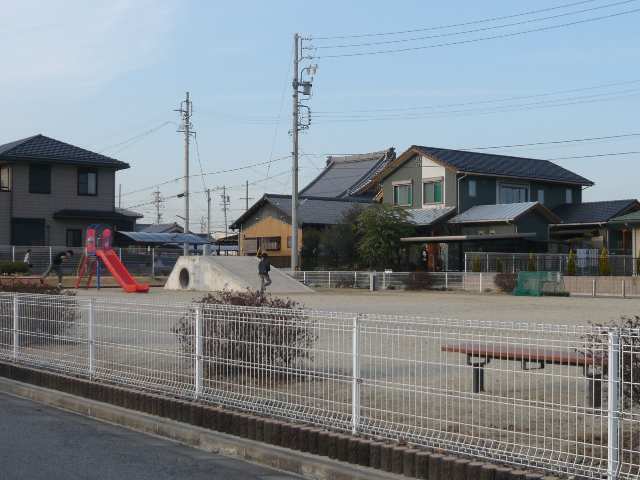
{"x":304,"y":464}
{"x":287,"y":446}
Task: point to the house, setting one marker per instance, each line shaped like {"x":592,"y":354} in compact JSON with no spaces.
{"x":629,"y":226}
{"x":50,"y":191}
{"x":345,"y":182}
{"x":464,"y":201}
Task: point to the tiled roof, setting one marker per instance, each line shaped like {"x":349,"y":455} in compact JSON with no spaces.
{"x":424,"y":217}
{"x":47,"y":149}
{"x":311,"y":210}
{"x":349,"y":175}
{"x":159,"y":228}
{"x":500,"y":213}
{"x":632,"y":218}
{"x":594,"y":212}
{"x":502,"y":165}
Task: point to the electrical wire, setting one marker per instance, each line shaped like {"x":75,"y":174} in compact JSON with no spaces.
{"x":130,"y":141}
{"x":481,"y":39}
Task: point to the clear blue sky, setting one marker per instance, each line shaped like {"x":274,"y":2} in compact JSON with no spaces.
{"x":97,"y":73}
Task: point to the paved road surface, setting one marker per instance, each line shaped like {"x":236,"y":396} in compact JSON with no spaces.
{"x":38,"y":442}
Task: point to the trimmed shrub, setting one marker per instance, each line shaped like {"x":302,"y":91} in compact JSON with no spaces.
{"x":571,"y":264}
{"x":12,"y":268}
{"x":240,"y":343}
{"x":419,"y":281}
{"x":506,"y":282}
{"x":603,"y":263}
{"x":43,"y":320}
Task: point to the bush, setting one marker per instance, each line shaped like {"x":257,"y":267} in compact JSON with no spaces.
{"x":571,"y":264}
{"x":12,"y":268}
{"x":239,"y":343}
{"x":476,"y":265}
{"x":419,"y":281}
{"x":603,"y":263}
{"x":42,"y":321}
{"x":506,"y":282}
{"x":531,"y":264}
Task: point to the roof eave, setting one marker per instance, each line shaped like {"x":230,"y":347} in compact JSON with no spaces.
{"x":117,"y":165}
{"x":587,"y":183}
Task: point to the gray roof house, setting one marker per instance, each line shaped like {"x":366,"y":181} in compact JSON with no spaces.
{"x":50,"y":191}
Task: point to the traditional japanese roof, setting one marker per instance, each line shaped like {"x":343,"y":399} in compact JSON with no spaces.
{"x":40,"y":148}
{"x":594,"y":212}
{"x":350,"y":175}
{"x":502,"y":213}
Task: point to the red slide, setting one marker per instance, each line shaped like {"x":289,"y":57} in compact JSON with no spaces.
{"x":120,"y":273}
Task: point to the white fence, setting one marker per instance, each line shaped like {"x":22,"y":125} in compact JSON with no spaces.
{"x":559,"y":398}
{"x":588,"y":264}
{"x":155,"y":261}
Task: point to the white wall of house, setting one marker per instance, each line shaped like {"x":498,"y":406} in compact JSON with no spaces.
{"x":430,"y":170}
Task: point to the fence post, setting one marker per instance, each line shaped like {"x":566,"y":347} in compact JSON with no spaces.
{"x":356,"y":380}
{"x":91,"y":338}
{"x":304,"y":277}
{"x":488,"y":262}
{"x":624,"y":288}
{"x":480,"y":282}
{"x":371,"y":281}
{"x":593,"y":288}
{"x":153,"y":262}
{"x":329,"y":278}
{"x":16,"y":327}
{"x":446,"y":280}
{"x":198,"y":357}
{"x":613,"y":381}
{"x":355,"y":279}
{"x":50,"y":255}
{"x":466,"y":254}
{"x":13,"y":253}
{"x":384,"y":280}
{"x":513,"y":264}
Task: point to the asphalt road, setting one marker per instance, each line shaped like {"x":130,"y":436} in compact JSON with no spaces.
{"x":38,"y":442}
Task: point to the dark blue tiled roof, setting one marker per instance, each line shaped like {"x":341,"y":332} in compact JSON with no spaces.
{"x":594,"y":212}
{"x":349,"y":175}
{"x":46,"y":149}
{"x":502,"y":165}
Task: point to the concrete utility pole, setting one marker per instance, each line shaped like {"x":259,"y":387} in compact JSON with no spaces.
{"x":157,"y":203}
{"x":119,"y":195}
{"x":208,"y":214}
{"x":294,"y":154}
{"x":225,"y":205}
{"x":185,"y":111}
{"x":246,"y":197}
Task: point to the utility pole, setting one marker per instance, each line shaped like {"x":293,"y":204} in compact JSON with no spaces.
{"x":119,"y":195}
{"x":294,"y":154}
{"x":297,"y":125}
{"x":157,"y":203}
{"x":185,"y":111}
{"x":208,"y":214}
{"x":225,"y":205}
{"x":246,"y":197}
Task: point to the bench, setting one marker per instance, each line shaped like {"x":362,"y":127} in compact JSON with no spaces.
{"x":480,"y":354}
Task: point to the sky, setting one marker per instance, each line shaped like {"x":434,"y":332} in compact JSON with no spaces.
{"x":108,"y":76}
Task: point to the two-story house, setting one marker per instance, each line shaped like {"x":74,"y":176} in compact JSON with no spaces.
{"x":467,"y":201}
{"x":50,"y":191}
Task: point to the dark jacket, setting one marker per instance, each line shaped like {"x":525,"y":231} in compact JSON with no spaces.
{"x":264,"y":266}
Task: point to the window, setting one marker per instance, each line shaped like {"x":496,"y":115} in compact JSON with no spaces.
{"x":5,"y":179}
{"x":513,"y":193}
{"x":270,"y":243}
{"x":39,"y":179}
{"x":473,"y":188}
{"x":403,"y":195}
{"x":74,"y":237}
{"x":432,"y":191}
{"x":541,"y":196}
{"x":568,"y":196}
{"x":87,"y":181}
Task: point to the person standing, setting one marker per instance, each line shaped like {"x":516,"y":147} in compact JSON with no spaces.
{"x":56,"y":266}
{"x":264,"y":267}
{"x":27,"y":258}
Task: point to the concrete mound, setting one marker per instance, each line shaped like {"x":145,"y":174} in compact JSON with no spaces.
{"x":231,"y":273}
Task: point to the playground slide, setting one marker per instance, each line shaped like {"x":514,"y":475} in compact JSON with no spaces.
{"x":120,"y":273}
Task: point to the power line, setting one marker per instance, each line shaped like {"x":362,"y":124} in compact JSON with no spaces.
{"x":475,"y":30}
{"x":594,"y":155}
{"x":553,"y":142}
{"x":464,"y":24}
{"x":130,"y":141}
{"x":480,"y":39}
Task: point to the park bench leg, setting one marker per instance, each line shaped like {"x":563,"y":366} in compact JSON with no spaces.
{"x":594,"y":391}
{"x":478,"y":377}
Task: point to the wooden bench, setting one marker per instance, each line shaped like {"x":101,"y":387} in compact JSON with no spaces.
{"x":479,"y":354}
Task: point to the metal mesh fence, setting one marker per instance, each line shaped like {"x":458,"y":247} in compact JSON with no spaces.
{"x":560,"y":398}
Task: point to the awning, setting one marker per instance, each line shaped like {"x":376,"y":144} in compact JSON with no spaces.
{"x":164,"y":238}
{"x":465,"y":238}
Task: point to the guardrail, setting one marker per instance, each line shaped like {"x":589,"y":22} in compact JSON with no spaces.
{"x":555,"y":397}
